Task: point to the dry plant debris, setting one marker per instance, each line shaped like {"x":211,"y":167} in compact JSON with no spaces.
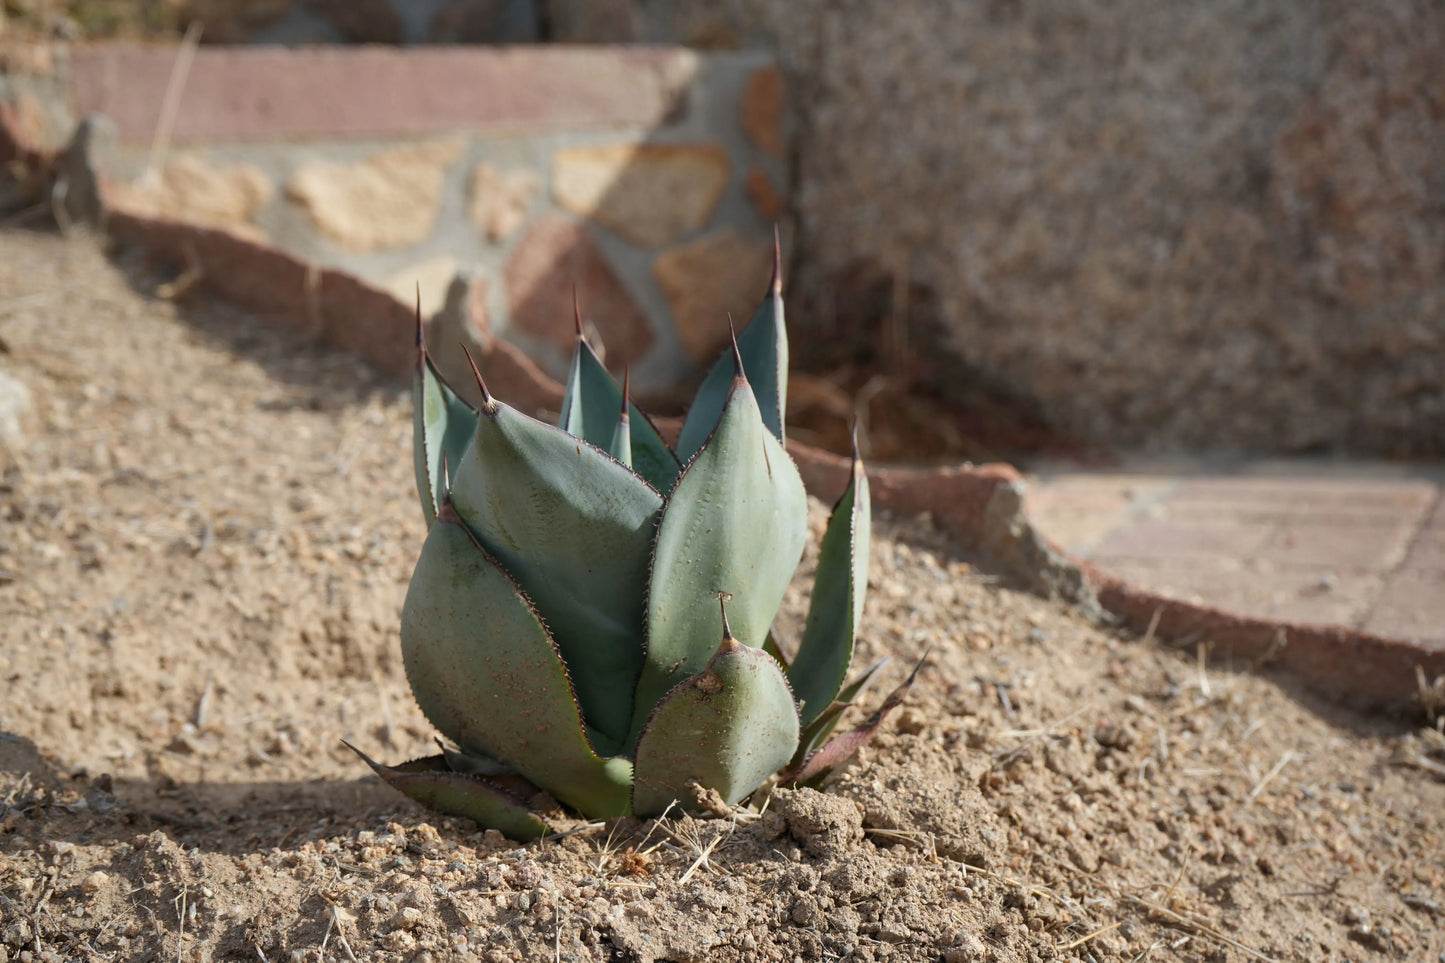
{"x":208,"y":531}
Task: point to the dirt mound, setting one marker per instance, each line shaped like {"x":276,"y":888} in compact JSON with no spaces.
{"x":208,"y":531}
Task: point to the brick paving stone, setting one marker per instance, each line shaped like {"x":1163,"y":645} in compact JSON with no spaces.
{"x":1325,"y":544}
{"x":1412,"y":606}
{"x":1308,"y":494}
{"x":1306,"y":596}
{"x":1342,"y":547}
{"x":1166,"y":539}
{"x":1427,"y":554}
{"x":1079,"y":511}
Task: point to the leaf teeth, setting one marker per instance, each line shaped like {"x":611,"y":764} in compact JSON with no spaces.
{"x":490,"y":405}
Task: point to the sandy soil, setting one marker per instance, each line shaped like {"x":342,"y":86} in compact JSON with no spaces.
{"x":204,"y":543}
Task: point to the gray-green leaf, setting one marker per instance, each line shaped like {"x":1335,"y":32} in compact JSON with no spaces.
{"x":836,"y":607}
{"x":574,"y":527}
{"x":589,"y":410}
{"x":763,"y":345}
{"x":727,"y":728}
{"x":442,"y":428}
{"x":735,"y":525}
{"x":487,"y":674}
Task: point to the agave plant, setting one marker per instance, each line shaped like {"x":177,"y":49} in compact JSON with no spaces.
{"x":591,"y":612}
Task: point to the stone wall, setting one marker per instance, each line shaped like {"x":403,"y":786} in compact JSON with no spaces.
{"x":1175,"y":224}
{"x":1217,"y":225}
{"x":650,"y":179}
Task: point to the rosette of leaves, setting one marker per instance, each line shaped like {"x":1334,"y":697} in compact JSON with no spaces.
{"x":590,"y":616}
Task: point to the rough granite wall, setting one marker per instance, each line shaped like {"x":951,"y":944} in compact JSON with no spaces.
{"x":1216,"y":224}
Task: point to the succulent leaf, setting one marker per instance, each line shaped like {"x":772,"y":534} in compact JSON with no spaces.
{"x":587,"y":392}
{"x":488,"y":675}
{"x":823,"y":724}
{"x":727,"y":728}
{"x":574,"y":528}
{"x":429,"y":782}
{"x":763,"y":345}
{"x":442,"y":427}
{"x":560,"y":626}
{"x":589,"y":411}
{"x":735,"y":526}
{"x":817,"y":766}
{"x":621,"y":446}
{"x":836,"y":607}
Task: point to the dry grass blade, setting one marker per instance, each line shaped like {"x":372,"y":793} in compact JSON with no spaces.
{"x":1086,"y":938}
{"x":1197,"y":927}
{"x":1268,"y":777}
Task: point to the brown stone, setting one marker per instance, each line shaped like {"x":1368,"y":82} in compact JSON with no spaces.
{"x":389,"y":200}
{"x":765,"y":197}
{"x":651,"y":194}
{"x":192,"y":188}
{"x":705,"y":281}
{"x":762,"y":109}
{"x":500,"y":200}
{"x":348,"y":313}
{"x":553,"y":256}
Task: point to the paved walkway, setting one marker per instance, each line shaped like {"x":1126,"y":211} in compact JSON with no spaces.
{"x":1315,"y":542}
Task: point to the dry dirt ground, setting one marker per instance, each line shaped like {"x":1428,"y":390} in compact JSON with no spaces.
{"x":205,"y":538}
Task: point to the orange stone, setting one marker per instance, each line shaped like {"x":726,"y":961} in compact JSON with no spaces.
{"x":719,"y":274}
{"x":765,"y":197}
{"x":762,"y":109}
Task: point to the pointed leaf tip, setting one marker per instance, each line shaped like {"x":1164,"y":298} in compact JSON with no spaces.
{"x":626,"y":394}
{"x":489,"y":404}
{"x":738,"y":372}
{"x":577,"y":315}
{"x":728,"y":642}
{"x":777,"y":283}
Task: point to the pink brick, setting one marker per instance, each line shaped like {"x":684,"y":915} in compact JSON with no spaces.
{"x":258,"y":93}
